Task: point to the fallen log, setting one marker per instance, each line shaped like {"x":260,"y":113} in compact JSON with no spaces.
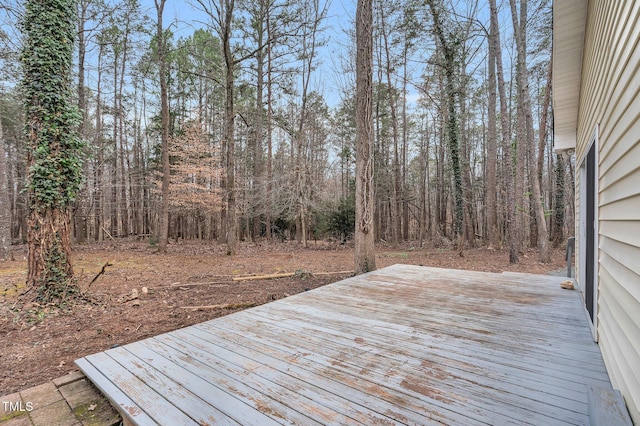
{"x":211,"y":283}
{"x":225,"y":306}
{"x":332,"y":273}
{"x":265,"y":277}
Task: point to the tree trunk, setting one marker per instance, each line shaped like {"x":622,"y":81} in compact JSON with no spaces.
{"x":5,"y":203}
{"x":124,"y":210}
{"x":257,"y":149}
{"x":396,"y":213}
{"x":365,"y":259}
{"x":229,"y":131}
{"x":268,"y":206}
{"x":544,"y":121}
{"x":163,"y":238}
{"x":98,"y":171}
{"x":53,"y":153}
{"x":441,"y":196}
{"x":405,"y":142}
{"x":79,"y":215}
{"x":308,"y":51}
{"x":49,"y":258}
{"x":425,"y":213}
{"x":492,"y":146}
{"x":465,"y":165}
{"x":558,"y":209}
{"x":453,"y":126}
{"x":506,"y":140}
{"x":520,"y":33}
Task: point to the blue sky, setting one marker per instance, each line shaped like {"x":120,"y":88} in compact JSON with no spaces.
{"x":185,"y":18}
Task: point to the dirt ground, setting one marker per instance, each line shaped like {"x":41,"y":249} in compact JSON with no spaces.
{"x":192,"y":283}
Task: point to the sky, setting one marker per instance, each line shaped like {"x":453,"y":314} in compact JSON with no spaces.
{"x":330,"y":78}
{"x":185,"y":18}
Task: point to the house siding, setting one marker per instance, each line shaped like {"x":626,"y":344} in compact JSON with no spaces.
{"x":610,"y":100}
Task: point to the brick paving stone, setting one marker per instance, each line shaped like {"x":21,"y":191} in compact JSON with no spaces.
{"x":8,"y":404}
{"x":58,"y":414}
{"x":14,"y":397}
{"x":42,"y":395}
{"x":87,"y":397}
{"x":74,"y":388}
{"x":17,"y":421}
{"x":68,"y":378}
{"x":99,"y":413}
{"x":70,"y":400}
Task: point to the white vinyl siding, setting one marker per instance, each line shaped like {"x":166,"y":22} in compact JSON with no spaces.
{"x":610,"y":99}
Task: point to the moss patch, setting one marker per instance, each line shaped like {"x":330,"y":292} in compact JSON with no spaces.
{"x":6,"y":416}
{"x":97,"y":413}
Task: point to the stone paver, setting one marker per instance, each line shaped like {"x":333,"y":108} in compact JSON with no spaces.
{"x":78,"y":392}
{"x":57,"y":413}
{"x":12,"y":408}
{"x":18,"y":421}
{"x":42,"y":395}
{"x":98,"y":413}
{"x":70,"y":400}
{"x":68,"y":378}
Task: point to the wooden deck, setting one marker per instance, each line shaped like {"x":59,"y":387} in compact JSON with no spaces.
{"x":401,"y":345}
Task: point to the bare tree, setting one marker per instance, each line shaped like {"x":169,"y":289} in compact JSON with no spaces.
{"x":5,"y":203}
{"x":164,"y":113}
{"x":222,"y":14}
{"x":365,"y":259}
{"x":269,"y":129}
{"x":506,"y":138}
{"x":492,"y":143}
{"x":396,"y":214}
{"x":98,"y":169}
{"x":314,"y":15}
{"x":525,"y":126}
{"x":226,"y":18}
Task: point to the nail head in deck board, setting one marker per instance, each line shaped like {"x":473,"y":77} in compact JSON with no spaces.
{"x":403,"y":344}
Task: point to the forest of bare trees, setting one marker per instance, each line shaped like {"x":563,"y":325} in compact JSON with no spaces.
{"x":240,"y":124}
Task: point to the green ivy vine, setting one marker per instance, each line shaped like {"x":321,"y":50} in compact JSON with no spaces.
{"x":55,"y":172}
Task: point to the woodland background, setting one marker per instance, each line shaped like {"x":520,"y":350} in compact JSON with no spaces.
{"x":462,"y":120}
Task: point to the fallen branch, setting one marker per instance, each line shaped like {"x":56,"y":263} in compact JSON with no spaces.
{"x":225,"y":306}
{"x":249,"y":277}
{"x":212,"y":283}
{"x":288,"y":274}
{"x":108,"y":234}
{"x":332,"y":273}
{"x":104,"y":268}
{"x":265,"y":277}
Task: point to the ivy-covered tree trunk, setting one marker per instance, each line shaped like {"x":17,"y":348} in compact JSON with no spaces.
{"x":449,"y":45}
{"x":558,"y":208}
{"x":53,"y":145}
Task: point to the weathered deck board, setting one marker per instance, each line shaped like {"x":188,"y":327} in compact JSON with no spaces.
{"x":402,"y":345}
